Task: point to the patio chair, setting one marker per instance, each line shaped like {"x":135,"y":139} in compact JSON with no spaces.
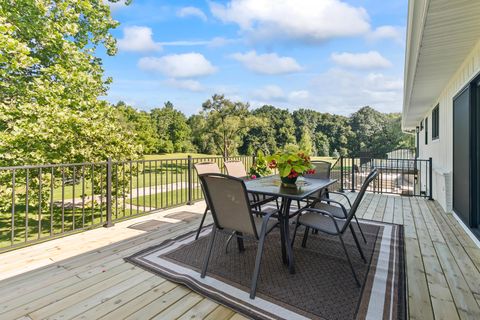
{"x":322,"y":171}
{"x":323,"y":203}
{"x":334,"y":220}
{"x":202,"y":168}
{"x":228,"y":200}
{"x":236,"y":169}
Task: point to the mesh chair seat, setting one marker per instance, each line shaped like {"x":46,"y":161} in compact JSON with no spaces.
{"x":335,"y":211}
{"x":258,"y":224}
{"x":318,"y":221}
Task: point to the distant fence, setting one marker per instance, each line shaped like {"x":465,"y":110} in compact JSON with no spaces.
{"x":46,"y":201}
{"x":407,"y":177}
{"x":401,"y":154}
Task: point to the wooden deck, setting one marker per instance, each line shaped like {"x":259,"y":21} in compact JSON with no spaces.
{"x":84,"y":276}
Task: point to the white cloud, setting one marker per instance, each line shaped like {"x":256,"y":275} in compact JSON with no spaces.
{"x":115,"y":5}
{"x":192,"y":12}
{"x":188,"y":84}
{"x":367,"y":60}
{"x":388,"y":32}
{"x":138,"y":39}
{"x":187,"y":65}
{"x":214,"y":42}
{"x":299,"y":96}
{"x":269,"y":63}
{"x":269,"y":93}
{"x":307,"y":20}
{"x":341,"y":91}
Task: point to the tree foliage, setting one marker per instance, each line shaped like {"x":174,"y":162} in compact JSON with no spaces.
{"x":173,"y":132}
{"x":50,"y":81}
{"x":226,"y":123}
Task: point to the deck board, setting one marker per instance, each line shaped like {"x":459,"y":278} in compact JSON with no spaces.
{"x":84,"y":276}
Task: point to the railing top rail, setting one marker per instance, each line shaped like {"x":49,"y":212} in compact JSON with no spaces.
{"x":53,"y":165}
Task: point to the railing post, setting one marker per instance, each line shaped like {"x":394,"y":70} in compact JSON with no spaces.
{"x":109,"y":222}
{"x":353,"y":174}
{"x":430,"y":179}
{"x":190,"y":182}
{"x":341,"y":174}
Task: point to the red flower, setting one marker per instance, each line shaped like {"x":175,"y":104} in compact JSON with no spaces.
{"x":253,"y":176}
{"x":272,"y":164}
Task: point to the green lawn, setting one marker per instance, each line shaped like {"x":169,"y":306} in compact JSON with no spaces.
{"x":153,"y":173}
{"x":166,"y":199}
{"x":177,"y":155}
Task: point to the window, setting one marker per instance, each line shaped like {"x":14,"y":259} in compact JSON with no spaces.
{"x":426,"y":130}
{"x":436,"y":122}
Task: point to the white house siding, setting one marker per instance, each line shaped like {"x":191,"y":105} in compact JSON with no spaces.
{"x":441,"y":150}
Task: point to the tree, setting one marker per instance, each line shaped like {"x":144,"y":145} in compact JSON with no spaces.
{"x":201,"y":139}
{"x":174,"y":134}
{"x":226,"y":123}
{"x":306,"y":143}
{"x":141,"y":124}
{"x":50,"y":81}
{"x":377,"y":133}
{"x":322,"y":144}
{"x":280,"y":126}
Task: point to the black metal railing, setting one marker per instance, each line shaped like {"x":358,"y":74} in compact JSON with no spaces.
{"x":46,"y":201}
{"x":407,"y":177}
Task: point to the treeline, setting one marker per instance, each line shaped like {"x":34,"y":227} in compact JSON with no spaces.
{"x":230,"y":128}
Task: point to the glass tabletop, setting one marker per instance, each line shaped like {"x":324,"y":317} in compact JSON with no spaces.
{"x":273,"y":186}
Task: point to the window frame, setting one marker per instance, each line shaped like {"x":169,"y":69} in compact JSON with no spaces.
{"x":436,"y":122}
{"x":426,"y":131}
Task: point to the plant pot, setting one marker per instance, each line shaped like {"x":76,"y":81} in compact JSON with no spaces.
{"x":288,"y":181}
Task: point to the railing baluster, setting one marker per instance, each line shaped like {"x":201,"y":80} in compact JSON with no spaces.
{"x":73,"y":197}
{"x":39,"y":203}
{"x":63,"y":199}
{"x":101,"y":194}
{"x":123,"y":189}
{"x":156,"y":184}
{"x":176,"y":182}
{"x":131,"y":188}
{"x":12,"y":238}
{"x":27,"y":185}
{"x":143,"y":174}
{"x":83,"y":196}
{"x":116,"y":191}
{"x":52,"y":184}
{"x":93,"y":196}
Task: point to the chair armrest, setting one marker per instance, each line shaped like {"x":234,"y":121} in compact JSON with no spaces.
{"x":273,"y":212}
{"x":337,"y":203}
{"x":325,"y":213}
{"x":343,"y":195}
{"x":262,"y":202}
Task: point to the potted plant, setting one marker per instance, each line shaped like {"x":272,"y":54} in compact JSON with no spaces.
{"x":291,"y":165}
{"x":259,"y":167}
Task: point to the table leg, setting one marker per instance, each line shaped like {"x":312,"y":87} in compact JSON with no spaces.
{"x":286,"y":238}
{"x":282,"y":232}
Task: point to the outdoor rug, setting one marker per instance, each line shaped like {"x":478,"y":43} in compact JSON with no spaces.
{"x":322,"y":287}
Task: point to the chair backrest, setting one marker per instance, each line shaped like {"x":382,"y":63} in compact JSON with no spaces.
{"x":371,"y":176}
{"x":322,"y":170}
{"x":227,"y":199}
{"x":206,"y":167}
{"x":235,"y":169}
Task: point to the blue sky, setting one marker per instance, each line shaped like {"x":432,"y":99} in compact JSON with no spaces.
{"x":329,"y":55}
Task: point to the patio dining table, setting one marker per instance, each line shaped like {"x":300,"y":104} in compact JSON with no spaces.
{"x":272,"y":186}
